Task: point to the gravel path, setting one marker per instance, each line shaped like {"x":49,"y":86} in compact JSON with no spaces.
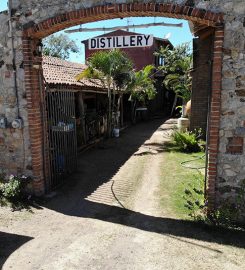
{"x":108,"y":217}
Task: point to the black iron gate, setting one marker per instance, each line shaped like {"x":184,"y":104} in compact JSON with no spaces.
{"x":62,"y":138}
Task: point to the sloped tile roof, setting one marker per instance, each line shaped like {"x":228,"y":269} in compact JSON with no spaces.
{"x":61,"y":72}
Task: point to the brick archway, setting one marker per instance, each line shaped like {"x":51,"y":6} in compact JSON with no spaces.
{"x":33,"y":34}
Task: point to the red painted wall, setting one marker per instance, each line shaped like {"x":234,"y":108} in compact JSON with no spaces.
{"x":141,"y":57}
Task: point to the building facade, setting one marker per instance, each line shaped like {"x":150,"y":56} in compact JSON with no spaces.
{"x":75,"y":114}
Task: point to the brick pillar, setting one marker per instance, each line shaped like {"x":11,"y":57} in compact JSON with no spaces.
{"x":215,"y":115}
{"x":201,"y":85}
{"x":32,"y":87}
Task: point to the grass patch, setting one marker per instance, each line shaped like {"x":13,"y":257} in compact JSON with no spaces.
{"x":175,"y":179}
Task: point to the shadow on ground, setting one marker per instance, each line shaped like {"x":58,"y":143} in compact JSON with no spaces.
{"x":10,"y":243}
{"x":162,"y":225}
{"x":97,"y":166}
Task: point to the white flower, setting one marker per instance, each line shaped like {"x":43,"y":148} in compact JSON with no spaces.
{"x":11,"y":177}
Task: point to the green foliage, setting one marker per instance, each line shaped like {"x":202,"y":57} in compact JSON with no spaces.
{"x":59,"y":46}
{"x":115,"y":72}
{"x":228,"y":214}
{"x":241,"y":197}
{"x":121,"y":69}
{"x":193,"y":197}
{"x":230,"y":210}
{"x":113,"y":69}
{"x":176,"y":60}
{"x":141,"y":85}
{"x":225,"y":215}
{"x":12,"y":191}
{"x":89,"y":73}
{"x":187,"y":141}
{"x":177,"y":65}
{"x":110,"y":67}
{"x":180,"y":84}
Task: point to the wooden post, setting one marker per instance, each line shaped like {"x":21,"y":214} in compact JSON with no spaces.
{"x":82,"y":113}
{"x":121,"y":100}
{"x":109,"y":113}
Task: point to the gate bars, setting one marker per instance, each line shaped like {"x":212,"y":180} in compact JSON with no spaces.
{"x":62,"y":136}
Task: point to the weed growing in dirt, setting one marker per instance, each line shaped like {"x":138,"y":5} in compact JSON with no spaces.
{"x":230,"y":211}
{"x":193,"y":197}
{"x":228,"y":214}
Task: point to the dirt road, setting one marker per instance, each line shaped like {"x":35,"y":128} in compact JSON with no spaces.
{"x":108,"y":217}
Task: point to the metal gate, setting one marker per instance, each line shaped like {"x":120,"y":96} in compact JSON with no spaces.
{"x":62,"y":138}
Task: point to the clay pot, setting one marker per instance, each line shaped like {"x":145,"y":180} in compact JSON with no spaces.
{"x":188,"y":109}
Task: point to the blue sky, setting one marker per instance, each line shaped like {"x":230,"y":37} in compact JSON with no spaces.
{"x":178,"y":35}
{"x":3,"y":5}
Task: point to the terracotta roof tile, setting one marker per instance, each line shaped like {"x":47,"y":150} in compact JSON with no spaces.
{"x":58,"y":71}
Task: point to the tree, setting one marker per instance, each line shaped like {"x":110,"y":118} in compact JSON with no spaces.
{"x":177,"y":66}
{"x":113,"y":69}
{"x":59,"y":46}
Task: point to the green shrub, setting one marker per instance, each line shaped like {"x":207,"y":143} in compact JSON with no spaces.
{"x":225,"y":215}
{"x":12,"y":191}
{"x":188,"y":141}
{"x":228,"y":214}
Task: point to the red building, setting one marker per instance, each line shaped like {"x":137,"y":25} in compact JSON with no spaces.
{"x":139,"y":47}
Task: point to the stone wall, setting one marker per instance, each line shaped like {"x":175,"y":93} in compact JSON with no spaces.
{"x":15,"y":154}
{"x":231,"y":166}
{"x":15,"y":145}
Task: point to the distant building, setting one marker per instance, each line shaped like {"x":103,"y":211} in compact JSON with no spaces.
{"x":140,"y":48}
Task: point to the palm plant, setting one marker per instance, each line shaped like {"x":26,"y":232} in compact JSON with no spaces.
{"x":112,"y":69}
{"x":141,"y":87}
{"x":177,"y":65}
{"x":180,"y":81}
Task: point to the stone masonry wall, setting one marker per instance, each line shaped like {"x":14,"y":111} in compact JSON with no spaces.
{"x":15,"y":154}
{"x":15,"y":144}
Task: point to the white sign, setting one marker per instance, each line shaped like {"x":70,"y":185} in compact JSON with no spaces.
{"x":118,"y":42}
